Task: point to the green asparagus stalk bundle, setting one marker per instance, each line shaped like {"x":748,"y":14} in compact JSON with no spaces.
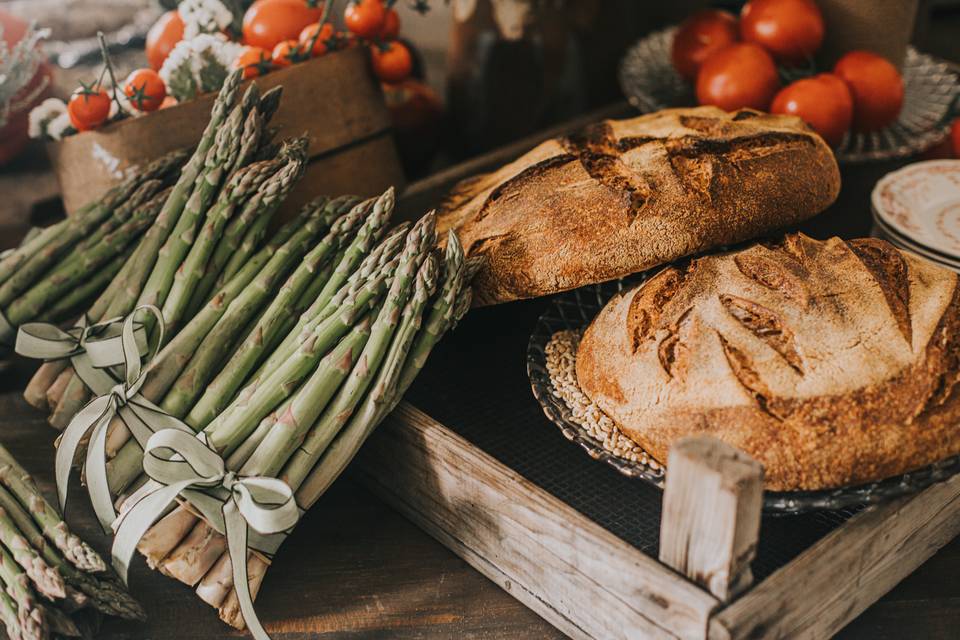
{"x":48,"y":574}
{"x":221,"y":195}
{"x":69,"y":259}
{"x":303,"y":413}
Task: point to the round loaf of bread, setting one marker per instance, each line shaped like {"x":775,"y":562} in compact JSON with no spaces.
{"x":831,"y":362}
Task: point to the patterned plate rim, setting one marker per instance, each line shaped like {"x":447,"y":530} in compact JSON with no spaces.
{"x":554,"y":319}
{"x":851,"y":151}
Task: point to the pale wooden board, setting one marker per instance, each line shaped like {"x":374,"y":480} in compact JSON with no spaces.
{"x":848,"y":570}
{"x":578,"y":576}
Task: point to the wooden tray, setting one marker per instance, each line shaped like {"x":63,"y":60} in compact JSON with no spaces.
{"x":472,"y":460}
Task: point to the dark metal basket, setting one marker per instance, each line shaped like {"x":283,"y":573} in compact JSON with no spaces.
{"x":573,"y":310}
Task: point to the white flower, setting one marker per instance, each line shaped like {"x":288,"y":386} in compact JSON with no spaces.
{"x":198,"y":65}
{"x":59,"y":126}
{"x":41,"y":116}
{"x":203,"y":16}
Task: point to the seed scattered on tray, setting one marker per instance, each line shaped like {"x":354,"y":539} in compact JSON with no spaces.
{"x":561,"y":352}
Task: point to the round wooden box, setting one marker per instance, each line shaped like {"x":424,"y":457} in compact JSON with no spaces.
{"x":334,"y":99}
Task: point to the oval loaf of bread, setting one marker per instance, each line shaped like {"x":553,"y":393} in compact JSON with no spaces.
{"x":626,"y":195}
{"x":830,"y":362}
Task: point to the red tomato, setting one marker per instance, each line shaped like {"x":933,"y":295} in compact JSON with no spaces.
{"x":876,"y":86}
{"x":365,"y":18}
{"x":699,"y":36}
{"x":320,"y":44}
{"x":145,"y":89}
{"x":88,"y":108}
{"x":269,"y":22}
{"x":254,"y":61}
{"x":393,"y":62}
{"x":955,"y":136}
{"x":823,"y":101}
{"x":391,"y":26}
{"x":288,"y":52}
{"x":163,"y":37}
{"x":740,"y":75}
{"x":792,"y":30}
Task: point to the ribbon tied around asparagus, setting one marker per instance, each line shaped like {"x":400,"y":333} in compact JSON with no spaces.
{"x":91,"y":348}
{"x":180,"y":464}
{"x":121,"y":400}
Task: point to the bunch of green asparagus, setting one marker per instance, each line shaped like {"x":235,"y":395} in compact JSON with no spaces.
{"x":51,"y":580}
{"x":57,"y":271}
{"x":291,"y":396}
{"x":203,"y":232}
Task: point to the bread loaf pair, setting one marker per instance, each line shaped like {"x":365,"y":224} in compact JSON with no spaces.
{"x":624,"y":196}
{"x":831,"y":362}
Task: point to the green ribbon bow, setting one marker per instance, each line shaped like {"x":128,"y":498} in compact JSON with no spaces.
{"x":92,"y":348}
{"x":123,"y":401}
{"x":181,"y":464}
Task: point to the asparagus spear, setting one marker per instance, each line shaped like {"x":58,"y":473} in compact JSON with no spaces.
{"x":192,"y":192}
{"x":15,"y":477}
{"x":243,"y":184}
{"x":81,"y":295}
{"x":220,"y":340}
{"x":361,"y":245}
{"x":235,"y":299}
{"x":377,"y":402}
{"x":48,"y":580}
{"x":10,"y":616}
{"x":72,"y":228}
{"x":30,"y":615}
{"x":260,"y":397}
{"x":223,"y":387}
{"x":106,"y":596}
{"x":291,"y":425}
{"x":229,"y":245}
{"x":441,"y":315}
{"x":420,"y":241}
{"x":71,"y":273}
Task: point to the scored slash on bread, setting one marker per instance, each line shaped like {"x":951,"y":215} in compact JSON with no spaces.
{"x":830,"y":362}
{"x":623,"y":196}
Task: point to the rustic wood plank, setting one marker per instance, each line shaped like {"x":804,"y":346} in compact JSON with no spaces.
{"x":711,"y":514}
{"x":841,"y":575}
{"x":568,"y":569}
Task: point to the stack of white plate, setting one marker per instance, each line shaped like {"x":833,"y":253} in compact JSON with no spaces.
{"x":917,"y":208}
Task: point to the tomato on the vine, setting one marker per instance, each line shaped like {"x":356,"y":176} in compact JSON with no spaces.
{"x":823,"y":101}
{"x":145,"y":89}
{"x":254,"y":61}
{"x":269,"y":22}
{"x":700,"y":36}
{"x":392,"y":61}
{"x":365,"y":18}
{"x":163,"y":37}
{"x":792,"y":30}
{"x":876,"y":86}
{"x":739,"y":75}
{"x":88,"y":108}
{"x":391,"y":25}
{"x":321,"y":41}
{"x":289,"y":52}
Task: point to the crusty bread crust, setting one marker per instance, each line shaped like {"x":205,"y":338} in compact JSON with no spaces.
{"x":832,"y":363}
{"x":624,"y":196}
